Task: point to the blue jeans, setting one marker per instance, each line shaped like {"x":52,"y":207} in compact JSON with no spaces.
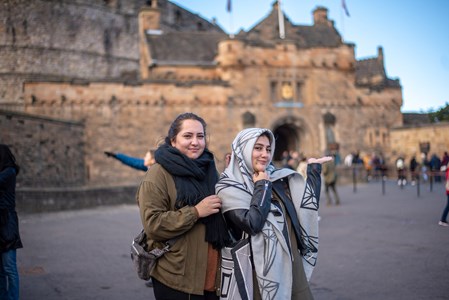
{"x":9,"y":277}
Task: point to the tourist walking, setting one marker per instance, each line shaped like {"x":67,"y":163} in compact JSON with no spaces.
{"x":330,"y":182}
{"x":400,"y":169}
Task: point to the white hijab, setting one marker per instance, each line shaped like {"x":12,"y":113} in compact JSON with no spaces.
{"x":271,"y":254}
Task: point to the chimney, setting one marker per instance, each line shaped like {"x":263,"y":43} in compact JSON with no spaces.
{"x":320,"y":16}
{"x":380,"y":54}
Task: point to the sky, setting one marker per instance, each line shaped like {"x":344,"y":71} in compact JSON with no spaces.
{"x":414,"y":36}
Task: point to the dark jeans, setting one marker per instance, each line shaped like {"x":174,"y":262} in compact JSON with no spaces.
{"x":9,"y":277}
{"x":446,"y":211}
{"x":331,"y":186}
{"x":163,"y":292}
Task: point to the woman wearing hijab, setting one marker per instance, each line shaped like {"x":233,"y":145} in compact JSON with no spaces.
{"x":9,"y":225}
{"x":278,"y":210}
{"x":177,"y":200}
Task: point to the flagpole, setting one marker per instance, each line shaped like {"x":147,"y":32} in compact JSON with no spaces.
{"x":342,"y":19}
{"x":231,"y":23}
{"x":281,"y":21}
{"x":231,"y":27}
{"x":344,"y":9}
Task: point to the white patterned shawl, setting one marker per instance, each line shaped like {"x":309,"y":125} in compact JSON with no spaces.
{"x":271,"y":253}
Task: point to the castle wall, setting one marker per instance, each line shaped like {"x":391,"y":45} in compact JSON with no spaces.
{"x":127,"y":119}
{"x":41,"y":40}
{"x":133,"y":118}
{"x":49,"y":151}
{"x":406,"y":141}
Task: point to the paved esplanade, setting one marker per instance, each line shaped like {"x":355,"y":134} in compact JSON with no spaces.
{"x":373,"y":246}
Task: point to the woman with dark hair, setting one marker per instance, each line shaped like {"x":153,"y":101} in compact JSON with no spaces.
{"x":177,"y":200}
{"x":278,"y":210}
{"x":9,"y":225}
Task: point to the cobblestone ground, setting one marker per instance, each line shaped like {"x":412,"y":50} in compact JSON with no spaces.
{"x":374,"y":245}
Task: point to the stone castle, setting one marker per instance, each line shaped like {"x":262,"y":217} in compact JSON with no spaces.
{"x":81,"y":77}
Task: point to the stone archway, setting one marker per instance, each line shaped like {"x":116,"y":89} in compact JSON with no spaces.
{"x":287,"y":138}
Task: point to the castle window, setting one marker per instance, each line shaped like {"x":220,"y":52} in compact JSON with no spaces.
{"x":178,"y":17}
{"x":329,"y":122}
{"x":298,"y":92}
{"x":273,"y":91}
{"x":199,"y":26}
{"x":329,"y":119}
{"x":249,"y":120}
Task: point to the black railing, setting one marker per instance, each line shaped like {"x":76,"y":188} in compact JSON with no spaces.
{"x":357,"y":174}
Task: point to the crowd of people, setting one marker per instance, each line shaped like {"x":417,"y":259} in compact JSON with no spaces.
{"x":423,"y":168}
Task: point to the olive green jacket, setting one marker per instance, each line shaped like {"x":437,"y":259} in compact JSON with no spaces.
{"x":329,"y":172}
{"x":183,"y":268}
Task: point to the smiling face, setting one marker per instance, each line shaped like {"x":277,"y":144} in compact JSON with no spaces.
{"x":190,"y":140}
{"x":261,"y":155}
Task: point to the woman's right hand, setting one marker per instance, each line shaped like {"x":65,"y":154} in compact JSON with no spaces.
{"x":208,"y":206}
{"x":260,"y":176}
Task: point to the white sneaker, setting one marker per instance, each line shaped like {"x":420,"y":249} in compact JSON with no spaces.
{"x":444,"y":224}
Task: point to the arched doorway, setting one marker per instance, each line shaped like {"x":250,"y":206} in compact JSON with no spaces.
{"x":287,"y":139}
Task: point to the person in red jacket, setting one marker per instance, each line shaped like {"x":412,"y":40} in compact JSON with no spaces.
{"x":443,"y":220}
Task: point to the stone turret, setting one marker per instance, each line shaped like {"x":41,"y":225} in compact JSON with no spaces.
{"x":320,"y":16}
{"x":149,"y":21}
{"x":230,"y":53}
{"x":380,"y":54}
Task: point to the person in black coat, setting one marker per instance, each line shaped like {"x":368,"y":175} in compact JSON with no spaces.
{"x":9,"y":225}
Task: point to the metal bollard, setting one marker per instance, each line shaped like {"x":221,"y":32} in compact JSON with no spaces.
{"x":354,"y":179}
{"x":417,"y":185}
{"x":431,"y":181}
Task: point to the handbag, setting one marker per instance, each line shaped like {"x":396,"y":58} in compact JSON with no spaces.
{"x":144,"y":261}
{"x":237,"y":271}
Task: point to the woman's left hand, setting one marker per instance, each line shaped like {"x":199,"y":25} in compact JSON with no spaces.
{"x":320,"y":160}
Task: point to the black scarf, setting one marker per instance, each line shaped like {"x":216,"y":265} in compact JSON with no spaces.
{"x":195,"y":179}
